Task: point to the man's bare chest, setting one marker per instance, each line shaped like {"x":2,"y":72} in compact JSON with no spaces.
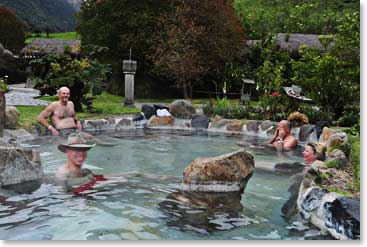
{"x":64,"y":112}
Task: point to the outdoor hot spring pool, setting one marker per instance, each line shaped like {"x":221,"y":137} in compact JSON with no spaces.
{"x":139,"y":202}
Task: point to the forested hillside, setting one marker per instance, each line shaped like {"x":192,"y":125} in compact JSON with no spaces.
{"x":262,"y":17}
{"x":56,"y":15}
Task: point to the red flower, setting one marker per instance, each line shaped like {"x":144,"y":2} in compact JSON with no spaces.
{"x":275,"y":94}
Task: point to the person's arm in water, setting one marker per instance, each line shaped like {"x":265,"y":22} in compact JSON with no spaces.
{"x":44,"y":115}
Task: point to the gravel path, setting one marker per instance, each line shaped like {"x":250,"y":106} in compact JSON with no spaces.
{"x":19,"y":95}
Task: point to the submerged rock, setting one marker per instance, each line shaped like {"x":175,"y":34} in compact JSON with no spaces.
{"x":224,"y":173}
{"x":203,"y":212}
{"x":19,"y":165}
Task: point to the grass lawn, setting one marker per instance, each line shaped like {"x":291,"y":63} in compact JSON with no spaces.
{"x":67,"y":35}
{"x":104,"y":105}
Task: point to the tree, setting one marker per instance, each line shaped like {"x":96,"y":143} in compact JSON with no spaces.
{"x":196,"y":40}
{"x":121,"y":25}
{"x":82,"y":76}
{"x":12,"y":30}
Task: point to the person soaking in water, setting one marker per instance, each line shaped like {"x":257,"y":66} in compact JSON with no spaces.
{"x":313,"y":154}
{"x":283,"y":139}
{"x":76,"y":178}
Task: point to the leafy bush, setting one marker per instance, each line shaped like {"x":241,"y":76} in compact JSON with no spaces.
{"x":349,"y":118}
{"x":3,"y":86}
{"x":355,"y":156}
{"x":224,"y":109}
{"x":316,"y":114}
{"x":79,"y":75}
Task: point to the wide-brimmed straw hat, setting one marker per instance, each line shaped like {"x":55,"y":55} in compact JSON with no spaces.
{"x":75,"y":141}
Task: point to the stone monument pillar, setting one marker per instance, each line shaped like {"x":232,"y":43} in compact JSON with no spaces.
{"x":129,"y":68}
{"x":2,"y":112}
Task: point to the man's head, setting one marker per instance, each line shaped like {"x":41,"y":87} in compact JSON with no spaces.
{"x":64,"y":94}
{"x":286,"y":125}
{"x":75,"y":148}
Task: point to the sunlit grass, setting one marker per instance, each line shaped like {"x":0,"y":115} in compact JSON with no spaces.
{"x":67,"y":35}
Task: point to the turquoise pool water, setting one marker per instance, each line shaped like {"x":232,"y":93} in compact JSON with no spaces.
{"x":141,"y":200}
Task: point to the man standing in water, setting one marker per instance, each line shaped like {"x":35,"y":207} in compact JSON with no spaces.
{"x":283,"y":138}
{"x":62,"y":113}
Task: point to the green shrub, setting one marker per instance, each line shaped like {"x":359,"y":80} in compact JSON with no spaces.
{"x":355,"y":159}
{"x":349,"y":119}
{"x":333,"y":164}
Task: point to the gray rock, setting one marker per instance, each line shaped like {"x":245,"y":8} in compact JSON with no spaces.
{"x":345,"y":217}
{"x":95,"y":124}
{"x":320,"y":126}
{"x":266,"y":125}
{"x":18,"y":135}
{"x":224,"y":173}
{"x":148,"y":111}
{"x":124,"y":122}
{"x":253,"y":126}
{"x":182,"y":109}
{"x":219,"y":122}
{"x":11,"y":117}
{"x":19,"y":165}
{"x":337,"y":159}
{"x":305,"y":131}
{"x":199,"y":122}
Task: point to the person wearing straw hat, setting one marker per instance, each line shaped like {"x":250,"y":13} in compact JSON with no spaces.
{"x":75,"y":149}
{"x":77,"y":179}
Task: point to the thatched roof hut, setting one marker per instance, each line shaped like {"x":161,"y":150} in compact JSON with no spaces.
{"x":41,"y":46}
{"x":292,"y":42}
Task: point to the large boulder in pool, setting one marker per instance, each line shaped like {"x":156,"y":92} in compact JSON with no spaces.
{"x":224,"y":173}
{"x":181,"y":109}
{"x":19,"y":165}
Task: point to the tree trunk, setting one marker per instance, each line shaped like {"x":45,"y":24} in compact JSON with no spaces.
{"x":2,"y":113}
{"x":185,"y":92}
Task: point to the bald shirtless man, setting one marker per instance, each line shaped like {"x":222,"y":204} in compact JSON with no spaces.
{"x":283,"y":139}
{"x":62,"y":113}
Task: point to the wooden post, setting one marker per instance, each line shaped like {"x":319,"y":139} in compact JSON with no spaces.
{"x":2,"y":113}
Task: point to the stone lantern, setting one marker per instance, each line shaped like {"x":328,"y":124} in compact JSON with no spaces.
{"x":129,"y":68}
{"x":2,"y":112}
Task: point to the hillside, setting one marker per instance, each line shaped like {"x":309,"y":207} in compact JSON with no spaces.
{"x":57,"y":15}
